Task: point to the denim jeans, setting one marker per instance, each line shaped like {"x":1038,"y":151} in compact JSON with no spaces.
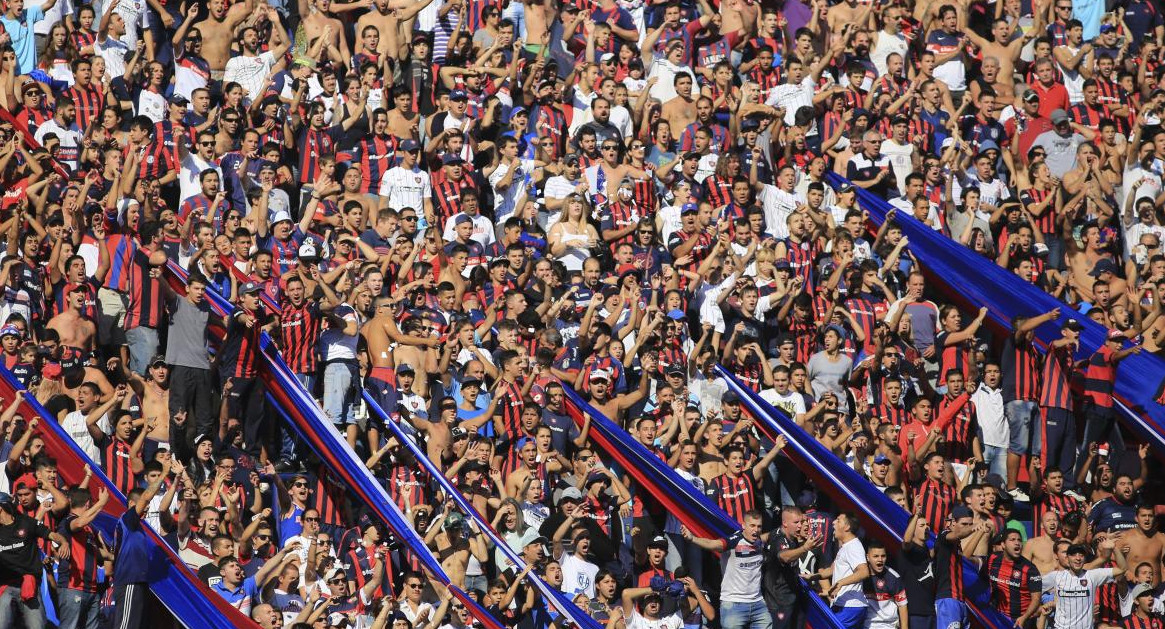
{"x":32,"y":612}
{"x":77,"y":609}
{"x":143,"y":344}
{"x":996,"y":460}
{"x":1020,"y":416}
{"x":340,"y":394}
{"x":745,"y":615}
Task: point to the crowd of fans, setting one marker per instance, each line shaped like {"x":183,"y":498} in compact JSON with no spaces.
{"x":464,"y":208}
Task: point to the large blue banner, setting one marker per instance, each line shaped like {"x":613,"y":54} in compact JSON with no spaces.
{"x":978,"y":281}
{"x":882,"y":516}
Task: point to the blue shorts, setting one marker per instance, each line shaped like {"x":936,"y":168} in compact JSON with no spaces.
{"x":951,"y":614}
{"x":851,"y":617}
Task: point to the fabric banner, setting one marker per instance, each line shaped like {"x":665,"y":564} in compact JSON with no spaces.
{"x":980,"y":282}
{"x":702,"y":516}
{"x":693,"y":509}
{"x":298,"y":407}
{"x":561,"y":602}
{"x":846,"y":487}
{"x":179,"y":589}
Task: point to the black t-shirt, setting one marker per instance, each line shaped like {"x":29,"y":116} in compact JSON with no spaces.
{"x":19,"y":553}
{"x":781,"y":580}
{"x":917,"y":572}
{"x":60,"y":405}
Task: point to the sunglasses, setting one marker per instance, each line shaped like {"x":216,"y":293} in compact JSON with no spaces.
{"x":262,"y":537}
{"x":336,"y":582}
{"x":408,"y":218}
{"x":299,"y":484}
{"x":311,"y":519}
{"x":415,"y":586}
{"x":230,"y":120}
{"x":206,"y":144}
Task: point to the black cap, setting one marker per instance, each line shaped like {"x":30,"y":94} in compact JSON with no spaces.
{"x":730,"y":397}
{"x":659,"y":541}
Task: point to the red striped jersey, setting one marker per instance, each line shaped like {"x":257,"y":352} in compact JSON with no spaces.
{"x":672,"y":355}
{"x":1057,"y":378}
{"x":447,"y":194}
{"x":719,"y":190}
{"x":121,"y":251}
{"x":1058,"y":31}
{"x":1108,"y":605}
{"x":299,"y":331}
{"x":1060,"y":503}
{"x":375,"y":155}
{"x":720,"y":138}
{"x":767,"y":78}
{"x":548,"y":121}
{"x":328,"y":498}
{"x":803,"y":332}
{"x":164,"y":131}
{"x":360,"y":563}
{"x":1099,"y":377}
{"x":238,"y":355}
{"x":117,"y":463}
{"x":146,"y":306}
{"x":618,"y":215}
{"x":510,"y":407}
{"x":886,"y":412}
{"x":84,"y":559}
{"x":735,"y":495}
{"x":312,"y":144}
{"x":1021,"y":371}
{"x":157,"y":160}
{"x":1045,"y":222}
{"x":1134,"y":621}
{"x":866,"y":310}
{"x":1013,"y":583}
{"x":936,"y":499}
{"x":952,"y":357}
{"x":749,"y":375}
{"x":1089,"y":117}
{"x":82,"y":38}
{"x":948,"y":568}
{"x":89,"y":101}
{"x":1113,"y":95}
{"x":33,"y":117}
{"x":957,"y":432}
{"x":644,"y":193}
{"x":800,"y":256}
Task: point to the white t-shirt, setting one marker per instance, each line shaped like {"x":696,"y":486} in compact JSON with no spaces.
{"x":741,"y":564}
{"x":578,"y":575}
{"x":113,"y":51}
{"x":793,"y":403}
{"x":406,"y":188}
{"x":777,"y":205}
{"x":152,"y":105}
{"x":667,"y":622}
{"x":506,"y":201}
{"x":792,"y":98}
{"x":192,"y":167}
{"x":249,"y":72}
{"x":75,"y":424}
{"x":70,"y":138}
{"x":136,"y":16}
{"x":851,"y":555}
{"x":900,"y":163}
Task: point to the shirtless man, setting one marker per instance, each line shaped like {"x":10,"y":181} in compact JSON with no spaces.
{"x":737,"y":15}
{"x":383,"y":17}
{"x":454,"y":539}
{"x":218,"y":31}
{"x":518,"y":481}
{"x":154,"y":391}
{"x":711,"y":460}
{"x":423,"y":360}
{"x":317,"y":22}
{"x":75,"y":330}
{"x":380,"y":332}
{"x":845,"y":17}
{"x":538,"y":18}
{"x":1041,"y":550}
{"x":1005,"y":50}
{"x":1144,"y":544}
{"x":991,"y":76}
{"x":612,"y":169}
{"x":681,"y":110}
{"x":612,"y":407}
{"x":403,"y":122}
{"x":1091,"y":263}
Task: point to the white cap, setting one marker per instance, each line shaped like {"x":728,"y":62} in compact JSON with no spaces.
{"x":280,"y":216}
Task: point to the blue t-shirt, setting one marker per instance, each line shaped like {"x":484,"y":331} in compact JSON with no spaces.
{"x":23,"y":41}
{"x":132,"y":548}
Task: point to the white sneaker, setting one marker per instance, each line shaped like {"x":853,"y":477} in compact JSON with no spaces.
{"x":1072,"y":493}
{"x":1018,"y":495}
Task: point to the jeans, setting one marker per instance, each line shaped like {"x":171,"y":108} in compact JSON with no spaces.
{"x":996,"y":459}
{"x":1019,"y":414}
{"x":143,"y":344}
{"x":77,"y":609}
{"x":32,"y":612}
{"x":340,"y":393}
{"x":741,"y":615}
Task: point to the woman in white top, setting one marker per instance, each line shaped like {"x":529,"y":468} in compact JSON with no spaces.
{"x":572,"y":237}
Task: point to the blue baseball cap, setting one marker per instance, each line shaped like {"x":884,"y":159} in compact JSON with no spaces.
{"x":409,"y":146}
{"x":689,"y":208}
{"x":458,"y":95}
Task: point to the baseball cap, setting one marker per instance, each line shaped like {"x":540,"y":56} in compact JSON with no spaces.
{"x":280,"y":216}
{"x":676,"y":315}
{"x":749,"y":124}
{"x":518,"y":111}
{"x":881,"y":459}
{"x":179,"y":100}
{"x":1116,"y":335}
{"x":458,"y":95}
{"x":405,"y":368}
{"x":960,"y":512}
{"x":571,"y":158}
{"x":1031,"y":97}
{"x":409,"y":145}
{"x":471,"y":382}
{"x":11,"y":330}
{"x":608,"y":56}
{"x":421,"y":36}
{"x":158,"y":359}
{"x":531,"y":536}
{"x":1107,"y":28}
{"x":595,"y":477}
{"x":659,"y":541}
{"x":689,"y":208}
{"x":1072,"y":324}
{"x":1140,"y":589}
{"x":570,"y":493}
{"x":28,"y":85}
{"x":1102,"y":266}
{"x":451,"y":159}
{"x":730,"y":397}
{"x":202,"y":437}
{"x":463,"y":218}
{"x":600,"y":374}
{"x":1059,"y":116}
{"x":250,"y":287}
